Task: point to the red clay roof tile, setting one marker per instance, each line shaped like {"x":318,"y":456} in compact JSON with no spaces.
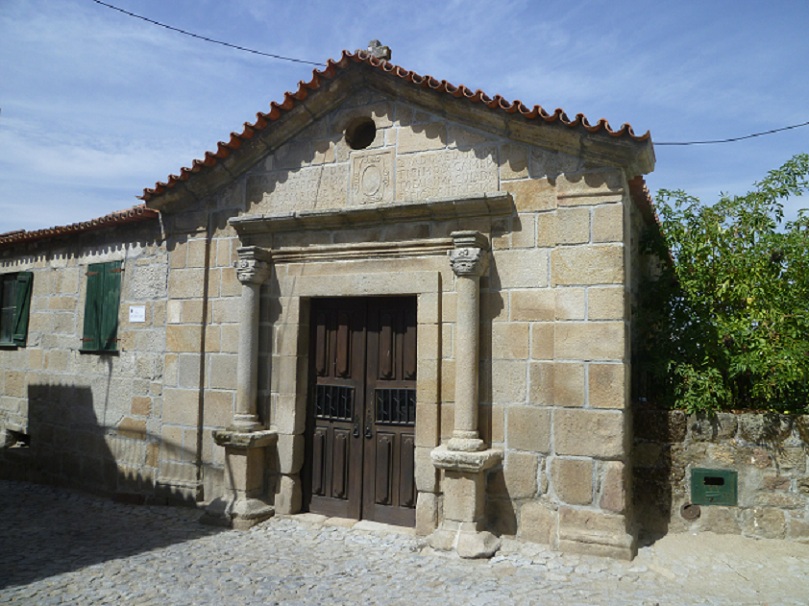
{"x":130,"y":215}
{"x":223,"y":150}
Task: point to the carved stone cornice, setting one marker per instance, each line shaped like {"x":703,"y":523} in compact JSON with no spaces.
{"x":253,"y":266}
{"x":366,"y":215}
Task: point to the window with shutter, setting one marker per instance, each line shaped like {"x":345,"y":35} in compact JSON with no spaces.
{"x":15,"y":304}
{"x":101,"y":307}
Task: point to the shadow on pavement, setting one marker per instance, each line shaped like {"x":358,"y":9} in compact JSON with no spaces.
{"x":48,"y":531}
{"x":47,"y":528}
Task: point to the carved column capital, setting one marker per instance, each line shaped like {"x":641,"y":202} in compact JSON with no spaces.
{"x":470,"y":256}
{"x":469,"y":262}
{"x":253,"y":266}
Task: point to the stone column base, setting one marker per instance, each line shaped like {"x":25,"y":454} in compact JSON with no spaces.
{"x":465,"y":538}
{"x":239,"y":514}
{"x":464,"y":487}
{"x":241,"y":506}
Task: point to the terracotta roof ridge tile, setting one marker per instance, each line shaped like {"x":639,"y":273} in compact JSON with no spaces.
{"x":330,"y":71}
{"x":134,"y":214}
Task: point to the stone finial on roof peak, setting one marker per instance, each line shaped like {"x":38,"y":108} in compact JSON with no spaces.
{"x":378,"y":50}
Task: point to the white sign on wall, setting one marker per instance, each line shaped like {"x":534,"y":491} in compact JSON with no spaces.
{"x":137,"y":313}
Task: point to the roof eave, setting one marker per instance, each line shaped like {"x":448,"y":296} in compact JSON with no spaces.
{"x":633,"y":154}
{"x":136,"y":214}
{"x":202,"y":180}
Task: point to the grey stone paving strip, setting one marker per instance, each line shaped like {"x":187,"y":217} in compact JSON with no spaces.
{"x":62,"y":547}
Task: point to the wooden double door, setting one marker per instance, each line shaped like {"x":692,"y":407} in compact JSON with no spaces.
{"x":360,"y":441}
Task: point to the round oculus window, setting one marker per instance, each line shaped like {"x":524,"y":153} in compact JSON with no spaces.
{"x":360,"y":133}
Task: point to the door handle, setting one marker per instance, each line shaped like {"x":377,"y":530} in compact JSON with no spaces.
{"x":356,"y":432}
{"x":368,"y":434}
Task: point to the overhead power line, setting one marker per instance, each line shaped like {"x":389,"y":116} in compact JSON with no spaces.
{"x":206,"y":38}
{"x":733,"y":139}
{"x":294,"y":60}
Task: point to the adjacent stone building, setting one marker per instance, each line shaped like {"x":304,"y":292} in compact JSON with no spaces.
{"x":389,"y":298}
{"x":87,"y":412}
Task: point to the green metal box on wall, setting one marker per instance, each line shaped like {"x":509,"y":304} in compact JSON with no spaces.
{"x":714,"y":487}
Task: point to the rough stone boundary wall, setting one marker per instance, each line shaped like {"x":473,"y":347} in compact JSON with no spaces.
{"x":769,"y":452}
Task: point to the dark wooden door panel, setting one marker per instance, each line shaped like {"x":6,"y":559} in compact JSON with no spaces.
{"x":407,"y":464}
{"x":318,"y":462}
{"x":384,"y":468}
{"x":337,"y":402}
{"x":388,"y":495}
{"x":339,"y":469}
{"x":362,"y":414}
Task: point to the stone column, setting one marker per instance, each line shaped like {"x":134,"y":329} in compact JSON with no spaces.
{"x":465,"y":459}
{"x":252,"y":269}
{"x":469,"y":260}
{"x":244,"y":441}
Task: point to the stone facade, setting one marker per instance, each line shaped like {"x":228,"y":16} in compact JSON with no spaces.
{"x":522,"y":424}
{"x":768,"y":453}
{"x":90,"y":419}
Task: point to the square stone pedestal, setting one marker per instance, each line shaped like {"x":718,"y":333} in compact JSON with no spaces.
{"x":241,"y":506}
{"x":463,"y":526}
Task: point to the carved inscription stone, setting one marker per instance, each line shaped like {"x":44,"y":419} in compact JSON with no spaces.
{"x":445,"y":174}
{"x":305,"y":189}
{"x":372,"y":177}
{"x":331,"y":190}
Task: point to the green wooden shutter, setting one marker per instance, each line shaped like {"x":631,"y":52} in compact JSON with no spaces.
{"x":111,"y":296}
{"x":22,"y":308}
{"x":92,"y":307}
{"x":101,"y":307}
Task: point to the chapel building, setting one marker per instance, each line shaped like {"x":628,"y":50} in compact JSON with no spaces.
{"x":389,"y":298}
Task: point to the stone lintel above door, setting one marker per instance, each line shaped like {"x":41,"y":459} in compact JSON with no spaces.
{"x":481,"y":205}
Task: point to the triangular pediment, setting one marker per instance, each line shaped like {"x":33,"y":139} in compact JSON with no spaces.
{"x":432,"y":140}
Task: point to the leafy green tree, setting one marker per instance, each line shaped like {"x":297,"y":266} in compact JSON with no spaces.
{"x":725,"y":322}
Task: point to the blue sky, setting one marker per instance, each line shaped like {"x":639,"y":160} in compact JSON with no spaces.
{"x":95,"y":105}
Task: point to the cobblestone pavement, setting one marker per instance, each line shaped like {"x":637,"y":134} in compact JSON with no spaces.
{"x":64,"y":547}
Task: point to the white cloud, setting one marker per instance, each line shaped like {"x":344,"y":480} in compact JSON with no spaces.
{"x":96,"y":105}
